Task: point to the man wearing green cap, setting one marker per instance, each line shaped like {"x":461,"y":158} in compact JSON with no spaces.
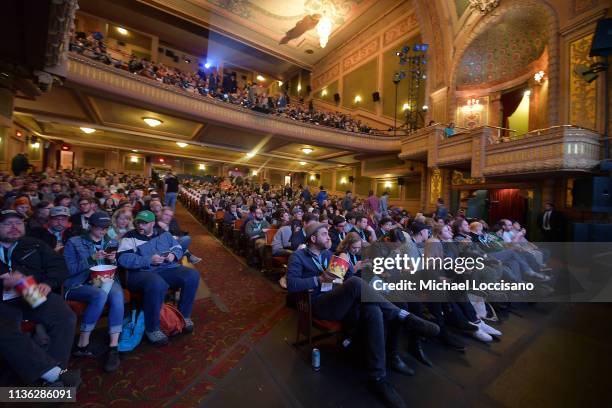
{"x":152,"y":259}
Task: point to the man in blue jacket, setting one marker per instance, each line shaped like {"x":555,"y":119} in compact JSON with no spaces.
{"x":152,"y":259}
{"x":307,"y":270}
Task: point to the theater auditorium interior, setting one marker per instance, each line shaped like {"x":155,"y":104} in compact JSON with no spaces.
{"x":208,"y":202}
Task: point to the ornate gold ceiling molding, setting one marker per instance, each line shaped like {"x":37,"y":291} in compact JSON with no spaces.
{"x":361,"y":54}
{"x":326,"y":77}
{"x":552,"y":30}
{"x":399,"y":29}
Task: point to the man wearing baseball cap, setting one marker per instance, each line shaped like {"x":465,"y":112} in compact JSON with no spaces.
{"x":307,"y":271}
{"x":152,"y":257}
{"x":58,"y":229}
{"x":22,"y":256}
{"x":82,"y":253}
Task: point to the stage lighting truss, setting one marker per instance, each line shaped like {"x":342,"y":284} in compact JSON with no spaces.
{"x":413,"y":60}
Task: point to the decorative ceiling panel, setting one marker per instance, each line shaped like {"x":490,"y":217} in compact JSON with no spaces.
{"x":503,"y":50}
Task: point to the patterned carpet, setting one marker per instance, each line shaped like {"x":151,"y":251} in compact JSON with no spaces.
{"x":238,"y":308}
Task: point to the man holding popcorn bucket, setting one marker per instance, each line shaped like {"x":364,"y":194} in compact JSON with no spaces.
{"x":91,"y":265}
{"x":31,"y":272}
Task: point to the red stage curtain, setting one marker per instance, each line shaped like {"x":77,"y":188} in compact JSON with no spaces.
{"x":506,"y":203}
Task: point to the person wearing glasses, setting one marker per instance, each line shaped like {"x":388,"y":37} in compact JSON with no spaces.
{"x":93,"y":248}
{"x":81,"y":219}
{"x":152,"y":258}
{"x":22,"y":256}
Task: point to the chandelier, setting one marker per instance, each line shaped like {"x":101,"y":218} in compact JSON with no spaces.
{"x":484,"y":6}
{"x":324,"y":28}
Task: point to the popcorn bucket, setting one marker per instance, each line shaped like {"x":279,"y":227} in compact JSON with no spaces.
{"x":338,"y":266}
{"x":100,"y":274}
{"x":28,"y":289}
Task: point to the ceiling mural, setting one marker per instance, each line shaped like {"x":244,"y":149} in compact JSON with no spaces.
{"x":504,"y":50}
{"x":288,"y":13}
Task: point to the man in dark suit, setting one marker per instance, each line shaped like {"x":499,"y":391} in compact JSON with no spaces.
{"x":552,"y":224}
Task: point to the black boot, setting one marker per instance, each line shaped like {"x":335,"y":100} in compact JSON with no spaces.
{"x":416,"y":349}
{"x":387,"y":393}
{"x":398,"y":365}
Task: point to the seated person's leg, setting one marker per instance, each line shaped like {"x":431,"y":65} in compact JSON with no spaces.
{"x":187,"y":279}
{"x":184,"y":241}
{"x":59,"y":321}
{"x":95,"y":299}
{"x":154,"y":289}
{"x":23,"y":356}
{"x":115,"y":313}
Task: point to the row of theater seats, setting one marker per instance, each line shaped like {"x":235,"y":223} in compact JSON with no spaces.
{"x":309,"y":328}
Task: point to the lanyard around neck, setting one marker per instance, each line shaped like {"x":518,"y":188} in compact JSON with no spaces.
{"x":8,"y":262}
{"x":320,"y":266}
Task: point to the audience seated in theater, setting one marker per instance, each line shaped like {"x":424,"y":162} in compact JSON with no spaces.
{"x":307,"y":270}
{"x":93,"y":248}
{"x":152,"y":259}
{"x":167,"y":222}
{"x":58,"y":229}
{"x":22,"y":256}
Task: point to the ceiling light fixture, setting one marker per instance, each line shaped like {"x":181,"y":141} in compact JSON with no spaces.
{"x":134,"y":159}
{"x":406,"y":106}
{"x":254,"y":172}
{"x":35,"y":145}
{"x":357,"y":98}
{"x":280,"y":83}
{"x":306,"y":150}
{"x":152,"y":122}
{"x":299,"y":87}
{"x":202,"y":167}
{"x":324,"y":92}
{"x":324,"y":29}
{"x":181,"y":144}
{"x":250,"y":154}
{"x":87,"y":130}
{"x":134,"y":150}
{"x":260,"y":78}
{"x":302,"y":163}
{"x":122,"y":31}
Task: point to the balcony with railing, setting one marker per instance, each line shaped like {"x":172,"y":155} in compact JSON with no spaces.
{"x":83,"y":71}
{"x":494,"y":151}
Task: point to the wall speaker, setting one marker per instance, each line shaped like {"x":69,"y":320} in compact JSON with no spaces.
{"x":602,"y":41}
{"x":401,"y":181}
{"x":337,"y":97}
{"x":376,"y":96}
{"x":351,"y":179}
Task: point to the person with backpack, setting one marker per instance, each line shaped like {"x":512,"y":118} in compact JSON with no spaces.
{"x":151,"y":257}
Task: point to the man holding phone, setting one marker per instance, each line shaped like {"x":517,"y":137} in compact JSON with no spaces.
{"x":151,"y":257}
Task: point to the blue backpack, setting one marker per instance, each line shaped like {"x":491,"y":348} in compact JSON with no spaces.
{"x":133,"y":330}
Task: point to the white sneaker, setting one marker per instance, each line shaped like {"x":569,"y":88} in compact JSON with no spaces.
{"x":482,"y":336}
{"x":488,"y":329}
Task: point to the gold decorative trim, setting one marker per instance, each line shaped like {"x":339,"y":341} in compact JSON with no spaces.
{"x":362,"y":54}
{"x":326,"y":77}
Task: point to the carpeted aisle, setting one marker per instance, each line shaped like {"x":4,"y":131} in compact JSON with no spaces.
{"x":235,"y":308}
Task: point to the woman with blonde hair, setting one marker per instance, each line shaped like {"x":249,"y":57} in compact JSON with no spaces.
{"x":349,"y":249}
{"x":121,"y":222}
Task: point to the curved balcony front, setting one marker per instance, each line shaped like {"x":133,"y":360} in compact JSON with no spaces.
{"x":92,"y":74}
